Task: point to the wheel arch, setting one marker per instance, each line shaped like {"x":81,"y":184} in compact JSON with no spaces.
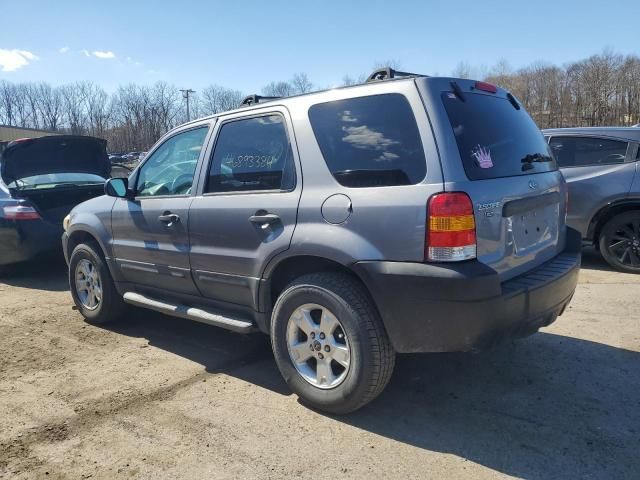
{"x":77,"y":237}
{"x":282,"y":272}
{"x":82,"y":233}
{"x":607,"y":212}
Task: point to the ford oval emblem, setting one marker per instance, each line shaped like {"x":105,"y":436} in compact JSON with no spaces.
{"x":532,"y":185}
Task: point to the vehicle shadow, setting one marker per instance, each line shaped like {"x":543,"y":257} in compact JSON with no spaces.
{"x":47,"y":272}
{"x":592,"y":260}
{"x":548,"y":406}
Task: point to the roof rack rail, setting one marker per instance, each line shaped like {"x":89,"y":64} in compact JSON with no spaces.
{"x":387,"y":72}
{"x":253,"y":99}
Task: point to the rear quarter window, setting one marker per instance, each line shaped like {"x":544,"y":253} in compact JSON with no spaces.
{"x":370,"y":141}
{"x":587,"y":151}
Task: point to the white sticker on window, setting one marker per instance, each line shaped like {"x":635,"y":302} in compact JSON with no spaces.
{"x":483,"y":157}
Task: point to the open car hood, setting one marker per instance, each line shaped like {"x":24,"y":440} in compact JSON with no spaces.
{"x":54,"y":154}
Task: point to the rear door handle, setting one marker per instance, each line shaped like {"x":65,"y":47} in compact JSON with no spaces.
{"x":169,"y":218}
{"x":266,"y":219}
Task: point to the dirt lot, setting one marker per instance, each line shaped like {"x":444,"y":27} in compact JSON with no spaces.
{"x":156,"y":397}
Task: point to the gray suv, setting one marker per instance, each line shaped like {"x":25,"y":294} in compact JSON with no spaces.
{"x":408,"y":214}
{"x":602,"y":171}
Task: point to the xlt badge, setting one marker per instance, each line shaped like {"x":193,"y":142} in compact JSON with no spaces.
{"x":488,"y":208}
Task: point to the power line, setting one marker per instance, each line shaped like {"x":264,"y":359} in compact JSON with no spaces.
{"x":185,"y":95}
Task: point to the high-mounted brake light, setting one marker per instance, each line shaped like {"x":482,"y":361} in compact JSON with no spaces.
{"x":20,"y":212}
{"x":451,"y":228}
{"x":486,"y":87}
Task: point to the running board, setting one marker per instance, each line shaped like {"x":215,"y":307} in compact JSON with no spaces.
{"x":190,"y":313}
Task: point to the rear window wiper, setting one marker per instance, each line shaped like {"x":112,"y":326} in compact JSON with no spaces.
{"x":531,"y":158}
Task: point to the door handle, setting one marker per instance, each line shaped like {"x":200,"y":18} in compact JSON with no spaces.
{"x":265,"y":220}
{"x":169,"y":218}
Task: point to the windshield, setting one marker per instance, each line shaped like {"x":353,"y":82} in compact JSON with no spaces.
{"x":57,"y":179}
{"x":494,"y":138}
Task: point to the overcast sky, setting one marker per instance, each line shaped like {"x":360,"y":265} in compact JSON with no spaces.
{"x":245,"y":44}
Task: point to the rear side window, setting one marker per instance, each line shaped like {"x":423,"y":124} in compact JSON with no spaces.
{"x":370,"y":141}
{"x":494,"y":138}
{"x":586,"y":151}
{"x":252,"y":154}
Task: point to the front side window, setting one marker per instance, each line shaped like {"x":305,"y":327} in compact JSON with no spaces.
{"x":170,"y":168}
{"x":252,"y":154}
{"x":587,"y":151}
{"x":370,"y":141}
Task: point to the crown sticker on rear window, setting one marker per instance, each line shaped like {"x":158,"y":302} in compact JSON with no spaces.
{"x":482,"y":156}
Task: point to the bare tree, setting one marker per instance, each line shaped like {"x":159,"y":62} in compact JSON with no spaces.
{"x":74,"y":106}
{"x":49,"y":105}
{"x":301,"y":83}
{"x":278,"y":89}
{"x":215,"y":99}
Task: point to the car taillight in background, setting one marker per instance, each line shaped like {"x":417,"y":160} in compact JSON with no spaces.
{"x":451,"y":228}
{"x":19,"y":212}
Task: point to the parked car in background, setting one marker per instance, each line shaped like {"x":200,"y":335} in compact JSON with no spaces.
{"x":602,"y":169}
{"x":131,"y":156}
{"x":432,"y":219}
{"x":42,"y":179}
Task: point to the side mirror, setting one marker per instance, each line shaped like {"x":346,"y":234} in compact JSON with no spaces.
{"x":117,"y":187}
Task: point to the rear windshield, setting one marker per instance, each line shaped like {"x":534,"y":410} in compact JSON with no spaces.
{"x":57,"y":179}
{"x":370,"y":141}
{"x":494,"y":138}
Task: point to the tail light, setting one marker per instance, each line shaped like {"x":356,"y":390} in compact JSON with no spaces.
{"x":20,"y":212}
{"x":451,"y":228}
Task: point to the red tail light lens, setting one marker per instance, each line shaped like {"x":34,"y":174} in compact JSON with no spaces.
{"x":20,"y":212}
{"x":451,"y":228}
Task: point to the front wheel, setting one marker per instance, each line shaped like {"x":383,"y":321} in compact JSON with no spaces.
{"x":92,"y":287}
{"x":330,"y":344}
{"x":620,"y":242}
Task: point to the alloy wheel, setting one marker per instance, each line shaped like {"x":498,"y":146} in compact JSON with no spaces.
{"x":318,"y":346}
{"x":624,"y":243}
{"x":88,"y":284}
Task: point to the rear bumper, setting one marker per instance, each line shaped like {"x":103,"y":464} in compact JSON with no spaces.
{"x":461,"y":307}
{"x":22,"y":240}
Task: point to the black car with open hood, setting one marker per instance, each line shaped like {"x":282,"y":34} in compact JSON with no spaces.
{"x":42,"y":180}
{"x":54,"y":154}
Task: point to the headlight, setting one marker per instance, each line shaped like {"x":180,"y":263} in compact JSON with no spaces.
{"x":65,"y":222}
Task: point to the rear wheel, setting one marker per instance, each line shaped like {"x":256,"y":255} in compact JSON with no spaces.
{"x":92,"y":287}
{"x":329,"y":342}
{"x":620,"y":242}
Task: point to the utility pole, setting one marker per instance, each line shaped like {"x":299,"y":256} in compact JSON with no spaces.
{"x":185,"y":95}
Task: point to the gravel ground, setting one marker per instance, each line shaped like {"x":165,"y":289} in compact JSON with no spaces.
{"x":157,"y":397}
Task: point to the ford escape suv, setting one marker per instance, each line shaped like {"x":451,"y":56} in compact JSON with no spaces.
{"x":407,"y":214}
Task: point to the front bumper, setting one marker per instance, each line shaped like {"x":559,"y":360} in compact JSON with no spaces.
{"x":462,"y":307}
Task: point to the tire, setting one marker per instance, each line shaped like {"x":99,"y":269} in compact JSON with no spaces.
{"x":371,"y":356}
{"x":620,"y":242}
{"x":109,"y":306}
